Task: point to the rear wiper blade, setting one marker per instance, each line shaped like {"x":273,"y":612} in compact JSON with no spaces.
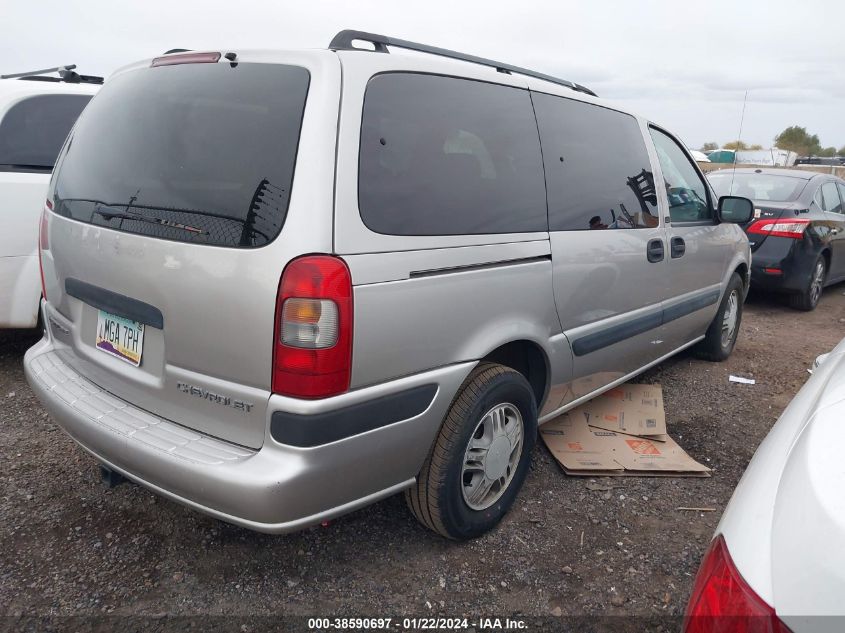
{"x":134,"y":205}
{"x":150,"y":220}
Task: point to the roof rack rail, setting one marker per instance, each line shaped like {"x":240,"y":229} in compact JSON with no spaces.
{"x":344,"y":41}
{"x":66,"y":75}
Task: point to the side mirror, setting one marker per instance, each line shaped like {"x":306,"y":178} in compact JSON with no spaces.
{"x":735,"y":210}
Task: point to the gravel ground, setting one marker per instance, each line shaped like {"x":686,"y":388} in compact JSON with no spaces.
{"x":570,"y":546}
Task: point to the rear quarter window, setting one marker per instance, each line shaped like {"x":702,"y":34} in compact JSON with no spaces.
{"x":447,"y":156}
{"x":830,"y":198}
{"x":33,"y":130}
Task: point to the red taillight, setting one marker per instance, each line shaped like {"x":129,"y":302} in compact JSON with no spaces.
{"x":186,"y":58}
{"x":780,"y":228}
{"x":43,"y":244}
{"x":313,"y":333}
{"x":722,"y":602}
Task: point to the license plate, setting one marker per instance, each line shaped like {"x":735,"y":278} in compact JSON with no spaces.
{"x":120,"y":337}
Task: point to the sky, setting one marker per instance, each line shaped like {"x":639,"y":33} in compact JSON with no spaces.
{"x":684,"y":65}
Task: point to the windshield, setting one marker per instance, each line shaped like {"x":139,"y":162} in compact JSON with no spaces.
{"x":190,"y":152}
{"x":758,"y":187}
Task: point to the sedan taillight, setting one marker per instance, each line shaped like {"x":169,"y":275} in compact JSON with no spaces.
{"x":780,"y":228}
{"x":722,"y":602}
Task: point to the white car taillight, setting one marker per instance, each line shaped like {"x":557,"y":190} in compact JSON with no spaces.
{"x":722,"y":602}
{"x":43,"y":243}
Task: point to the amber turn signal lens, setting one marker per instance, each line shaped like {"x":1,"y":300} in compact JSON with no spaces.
{"x":302,"y":310}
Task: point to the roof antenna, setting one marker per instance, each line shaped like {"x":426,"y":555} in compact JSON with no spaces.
{"x":739,"y":138}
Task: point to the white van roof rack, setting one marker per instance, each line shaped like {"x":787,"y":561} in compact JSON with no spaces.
{"x":66,"y":75}
{"x":344,"y":41}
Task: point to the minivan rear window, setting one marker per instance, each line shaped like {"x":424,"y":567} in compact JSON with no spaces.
{"x":201,"y":153}
{"x":448,"y":156}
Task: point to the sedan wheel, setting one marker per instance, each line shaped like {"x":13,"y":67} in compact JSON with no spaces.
{"x":809,"y":298}
{"x":817,"y":282}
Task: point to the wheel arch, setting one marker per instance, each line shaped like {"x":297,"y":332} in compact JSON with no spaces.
{"x":530,"y":360}
{"x":741,"y":269}
{"x":826,"y":253}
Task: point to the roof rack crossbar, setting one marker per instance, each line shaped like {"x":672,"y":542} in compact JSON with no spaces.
{"x":66,"y":75}
{"x":345,"y":39}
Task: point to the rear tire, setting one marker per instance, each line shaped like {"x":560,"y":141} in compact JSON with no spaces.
{"x":481,"y":456}
{"x":808,"y":298}
{"x":721,"y":336}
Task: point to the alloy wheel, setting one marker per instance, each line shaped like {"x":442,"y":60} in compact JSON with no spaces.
{"x":817,"y":283}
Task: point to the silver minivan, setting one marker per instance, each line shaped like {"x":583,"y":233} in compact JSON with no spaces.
{"x":280,"y":286}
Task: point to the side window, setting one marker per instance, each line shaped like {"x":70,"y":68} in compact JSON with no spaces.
{"x":447,"y":156}
{"x":685,"y":189}
{"x":597,"y":169}
{"x":842,"y":196}
{"x":830,"y":198}
{"x":33,"y":130}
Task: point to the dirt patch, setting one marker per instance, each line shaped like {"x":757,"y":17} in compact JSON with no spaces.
{"x":73,"y":547}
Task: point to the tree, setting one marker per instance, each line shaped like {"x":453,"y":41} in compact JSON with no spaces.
{"x":797,"y":139}
{"x":841,"y":151}
{"x":756,"y":146}
{"x":709,"y":147}
{"x":736,"y":145}
{"x":827,"y":152}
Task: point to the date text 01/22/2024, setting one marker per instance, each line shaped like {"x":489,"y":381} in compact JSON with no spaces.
{"x":415,"y":624}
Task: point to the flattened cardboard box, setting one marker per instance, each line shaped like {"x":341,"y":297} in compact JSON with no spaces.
{"x":582,"y":449}
{"x":629,"y":409}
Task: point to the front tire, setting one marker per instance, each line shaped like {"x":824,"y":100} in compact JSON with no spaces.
{"x":481,"y":456}
{"x":721,"y":336}
{"x":808,"y":299}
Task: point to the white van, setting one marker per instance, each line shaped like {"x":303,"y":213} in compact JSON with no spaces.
{"x":36,"y":113}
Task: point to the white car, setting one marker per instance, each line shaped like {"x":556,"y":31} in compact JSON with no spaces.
{"x":36,"y":113}
{"x":777,"y":560}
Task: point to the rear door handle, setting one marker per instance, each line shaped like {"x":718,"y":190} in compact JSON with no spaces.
{"x":655,"y":251}
{"x":678,"y":247}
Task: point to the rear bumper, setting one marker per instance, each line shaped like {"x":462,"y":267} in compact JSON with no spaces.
{"x":794,"y":259}
{"x":279,"y":487}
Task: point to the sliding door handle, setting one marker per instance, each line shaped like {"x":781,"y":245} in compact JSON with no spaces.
{"x":655,"y":250}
